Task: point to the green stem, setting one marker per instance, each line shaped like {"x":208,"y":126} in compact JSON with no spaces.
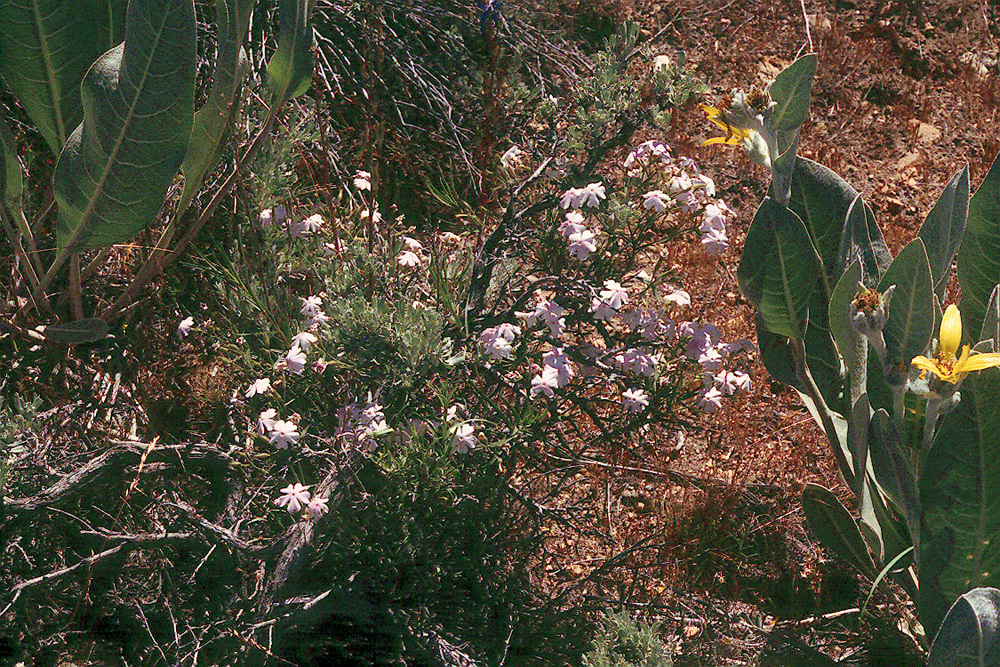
{"x":826,"y":418}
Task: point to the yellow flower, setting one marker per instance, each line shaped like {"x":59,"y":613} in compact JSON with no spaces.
{"x":734,"y":135}
{"x":949,"y":365}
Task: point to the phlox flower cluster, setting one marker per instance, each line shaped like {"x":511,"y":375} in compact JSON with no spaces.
{"x":360,"y":425}
{"x":296,"y":497}
{"x":703,"y":345}
{"x":547,"y":312}
{"x":498,"y":341}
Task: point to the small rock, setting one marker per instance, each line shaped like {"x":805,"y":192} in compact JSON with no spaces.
{"x":927,"y":134}
{"x":894,"y":205}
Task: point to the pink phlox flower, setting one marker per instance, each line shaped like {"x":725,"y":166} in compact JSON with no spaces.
{"x":571,"y":198}
{"x":714,"y":217}
{"x":311,"y":305}
{"x":614,"y":294}
{"x":547,"y":312}
{"x":295,"y":496}
{"x":184,"y":328}
{"x":648,"y":150}
{"x":581,"y":244}
{"x":703,"y":181}
{"x":688,"y":164}
{"x":512,"y":157}
{"x":631,"y":319}
{"x":258,"y":386}
{"x":294,"y":360}
{"x":312,"y":224}
{"x":656,"y":200}
{"x":679,"y":183}
{"x":304,"y":340}
{"x":635,"y":400}
{"x":637,"y":361}
{"x":710,"y":399}
{"x":463,"y":438}
{"x":592,"y":195}
{"x":265,"y":422}
{"x":601,"y":309}
{"x":573,"y":224}
{"x":316,"y":319}
{"x":317,"y":508}
{"x":556,"y":358}
{"x":715,"y":241}
{"x":408,"y":258}
{"x":295,"y":230}
{"x":679,"y":297}
{"x":711,"y":359}
{"x":702,"y":337}
{"x":732,"y":382}
{"x":545,"y":382}
{"x":651,"y":325}
{"x":283,"y":434}
{"x":363,"y":180}
{"x":497,"y":342}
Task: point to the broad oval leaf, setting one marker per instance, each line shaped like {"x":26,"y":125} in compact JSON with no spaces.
{"x":113,"y":174}
{"x":912,"y":311}
{"x":978,"y":259}
{"x":835,"y":528}
{"x":289,"y":73}
{"x":791,"y":91}
{"x":862,"y":240}
{"x":960,"y":496}
{"x":48,"y":46}
{"x":969,"y":634}
{"x":944,"y":227}
{"x":777,"y":272}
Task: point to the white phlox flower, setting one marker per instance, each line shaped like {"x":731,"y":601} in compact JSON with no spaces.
{"x":715,"y":241}
{"x":258,"y":386}
{"x":304,"y":340}
{"x":412,"y":243}
{"x":265,"y":422}
{"x":710,"y":399}
{"x":294,"y":360}
{"x":283,"y":434}
{"x":363,"y":180}
{"x":571,"y":198}
{"x":656,"y":200}
{"x":592,"y":195}
{"x":581,"y":244}
{"x":408,"y":258}
{"x":184,"y":328}
{"x":635,"y":400}
{"x":311,"y":305}
{"x":295,"y":496}
{"x":512,"y":157}
{"x":312,"y":224}
{"x":679,"y":297}
{"x":463,"y":438}
{"x":614,"y":294}
{"x":572,"y":224}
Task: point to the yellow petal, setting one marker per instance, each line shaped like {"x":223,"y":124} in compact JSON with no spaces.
{"x":732,"y":141}
{"x":951,"y":332}
{"x":977,"y":362}
{"x":928,"y":365}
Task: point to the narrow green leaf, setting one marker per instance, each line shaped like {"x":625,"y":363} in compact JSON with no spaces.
{"x":835,"y":528}
{"x":911,"y":313}
{"x":862,"y":240}
{"x":289,"y":73}
{"x":791,"y":91}
{"x":944,"y":227}
{"x":777,"y":272}
{"x":113,"y":174}
{"x":960,"y":495}
{"x":86,"y":330}
{"x":970,"y":633}
{"x":212,"y":121}
{"x":978,"y":259}
{"x":776,"y":355}
{"x":11,"y":182}
{"x":48,"y":46}
{"x":857,"y":444}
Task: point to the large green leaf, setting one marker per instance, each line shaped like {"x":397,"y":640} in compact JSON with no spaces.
{"x":113,"y":174}
{"x":960,"y":495}
{"x":862,"y":240}
{"x":212,"y":121}
{"x":893,"y":471}
{"x":991,"y":320}
{"x":978,"y":259}
{"x":912,"y":311}
{"x":835,"y":528}
{"x":822,"y":200}
{"x":47,"y":47}
{"x":944,"y":226}
{"x":852,"y":345}
{"x":289,"y":73}
{"x":791,"y":91}
{"x":970,"y":633}
{"x":778,"y":269}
